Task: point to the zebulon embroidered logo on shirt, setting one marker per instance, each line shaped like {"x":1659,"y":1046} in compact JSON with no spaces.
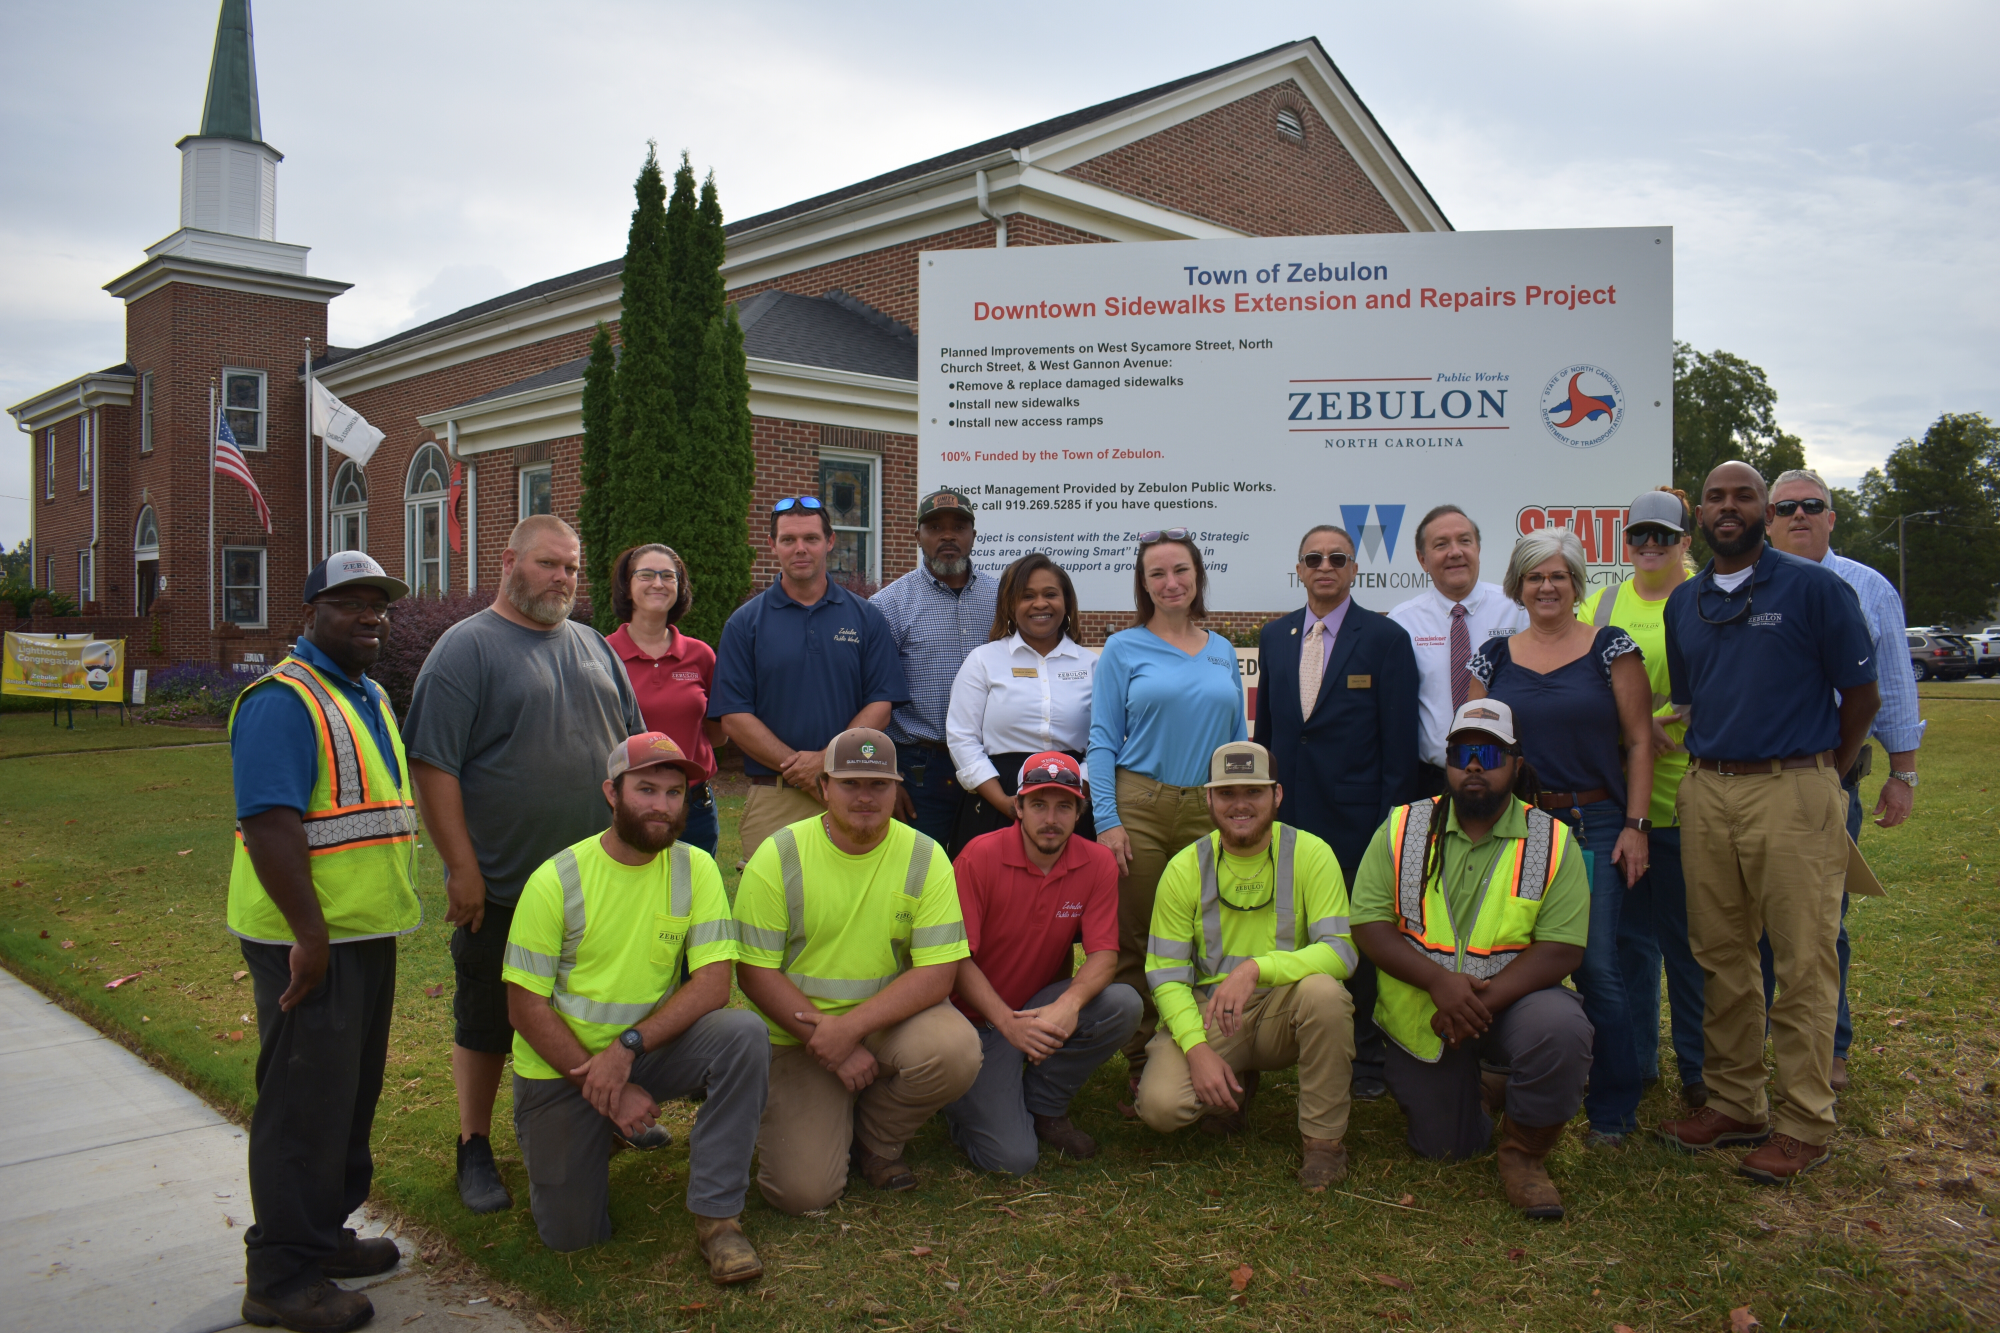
{"x":1768,"y":618}
{"x":1069,"y":911}
{"x":847,"y":635}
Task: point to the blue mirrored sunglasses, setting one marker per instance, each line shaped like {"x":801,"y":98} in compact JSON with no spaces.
{"x":797,"y":502}
{"x":1487,"y":755}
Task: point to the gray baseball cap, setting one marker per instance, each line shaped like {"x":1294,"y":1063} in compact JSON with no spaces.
{"x":1656,"y":509}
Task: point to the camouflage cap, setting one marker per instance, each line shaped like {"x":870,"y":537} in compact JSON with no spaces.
{"x":949,"y":500}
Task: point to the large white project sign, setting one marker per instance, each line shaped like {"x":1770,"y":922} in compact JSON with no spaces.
{"x":1248,"y":389}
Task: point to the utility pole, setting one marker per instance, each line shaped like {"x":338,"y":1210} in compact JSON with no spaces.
{"x":1902,"y":569}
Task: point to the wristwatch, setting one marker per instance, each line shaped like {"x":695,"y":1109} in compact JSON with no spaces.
{"x":1909,"y":778}
{"x":632,"y":1041}
{"x":1641,"y":824}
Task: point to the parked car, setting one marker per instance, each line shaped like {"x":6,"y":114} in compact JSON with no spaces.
{"x":1938,"y":654}
{"x":1986,"y":651}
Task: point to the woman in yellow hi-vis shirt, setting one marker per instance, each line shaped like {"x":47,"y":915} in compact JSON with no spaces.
{"x":1653,"y":927}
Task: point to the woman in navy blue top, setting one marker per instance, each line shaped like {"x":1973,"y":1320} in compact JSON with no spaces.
{"x":1574,"y":689}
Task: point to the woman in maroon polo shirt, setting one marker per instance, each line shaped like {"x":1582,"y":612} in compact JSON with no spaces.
{"x":670,"y":672}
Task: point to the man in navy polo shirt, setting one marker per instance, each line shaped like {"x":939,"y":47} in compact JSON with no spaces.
{"x":1775,"y":660}
{"x":801,"y":662}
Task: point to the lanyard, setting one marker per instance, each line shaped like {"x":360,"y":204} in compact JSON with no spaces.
{"x":1486,"y":877}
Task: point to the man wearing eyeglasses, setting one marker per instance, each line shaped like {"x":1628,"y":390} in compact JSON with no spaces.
{"x":1337,"y":709}
{"x":1804,"y":528}
{"x":1773,"y":656}
{"x":799,"y":663}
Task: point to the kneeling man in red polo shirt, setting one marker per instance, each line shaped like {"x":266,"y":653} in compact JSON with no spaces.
{"x":1028,"y":894}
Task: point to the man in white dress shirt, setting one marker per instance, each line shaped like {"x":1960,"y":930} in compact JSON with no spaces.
{"x":1447,"y":622}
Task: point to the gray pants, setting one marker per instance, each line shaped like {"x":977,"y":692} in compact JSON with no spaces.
{"x":1542,"y":1039}
{"x":567,"y":1144}
{"x":993,"y":1122}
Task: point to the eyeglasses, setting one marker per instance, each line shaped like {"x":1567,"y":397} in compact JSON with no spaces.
{"x":1163,"y":535}
{"x":1487,"y":755}
{"x":1786,"y":508}
{"x":1537,"y":579}
{"x":1314,"y":559}
{"x":1643,"y":537}
{"x":797,"y":502}
{"x":655,"y":576}
{"x":349,"y":606}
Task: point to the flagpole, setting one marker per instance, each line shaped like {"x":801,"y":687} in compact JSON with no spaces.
{"x":309,"y":453}
{"x":211,"y":506}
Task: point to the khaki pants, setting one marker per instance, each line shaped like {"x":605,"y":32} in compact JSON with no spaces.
{"x":768,"y":809}
{"x":1160,"y":820}
{"x":811,"y":1120}
{"x":1309,"y":1024}
{"x":1766,"y":853}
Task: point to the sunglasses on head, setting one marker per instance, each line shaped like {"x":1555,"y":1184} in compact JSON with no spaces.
{"x":1314,"y":559}
{"x":1786,"y":508}
{"x":1650,"y":537}
{"x":1488,"y":755}
{"x":797,"y":502}
{"x":1163,"y":535}
{"x":1051,"y":777}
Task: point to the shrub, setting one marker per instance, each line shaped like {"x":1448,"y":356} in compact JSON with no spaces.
{"x":417,"y":624}
{"x":24,"y":596}
{"x":191,"y":689}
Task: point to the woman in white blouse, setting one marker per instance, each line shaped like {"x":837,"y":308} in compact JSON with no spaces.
{"x":1026,"y":691}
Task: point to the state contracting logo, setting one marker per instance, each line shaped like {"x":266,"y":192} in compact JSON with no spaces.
{"x":1583,"y":406}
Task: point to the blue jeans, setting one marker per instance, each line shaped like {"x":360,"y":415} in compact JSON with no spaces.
{"x":1613,"y":1099}
{"x":1652,"y":930}
{"x":1843,"y":1023}
{"x":932,"y":782}
{"x":702,"y":827}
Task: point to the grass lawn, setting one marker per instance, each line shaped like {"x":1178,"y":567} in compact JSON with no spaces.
{"x":28,"y":733}
{"x":124,"y":856}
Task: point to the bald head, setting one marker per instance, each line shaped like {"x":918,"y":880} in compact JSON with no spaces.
{"x":1733,"y":474}
{"x":1735,"y":507}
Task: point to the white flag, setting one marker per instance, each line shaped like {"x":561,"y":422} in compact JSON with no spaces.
{"x":342,"y":427}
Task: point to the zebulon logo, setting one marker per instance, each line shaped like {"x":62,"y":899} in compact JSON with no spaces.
{"x":1377,"y":539}
{"x":1583,"y":406}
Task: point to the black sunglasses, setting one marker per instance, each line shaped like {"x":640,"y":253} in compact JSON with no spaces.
{"x":797,"y":502}
{"x":1650,"y":537}
{"x":1050,"y":775}
{"x":1786,"y":508}
{"x":1163,"y":535}
{"x":1314,"y":559}
{"x":1487,"y":755}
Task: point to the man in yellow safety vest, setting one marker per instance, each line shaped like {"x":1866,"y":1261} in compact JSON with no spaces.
{"x":603,"y":1028}
{"x":1475,"y":906}
{"x":323,"y":883}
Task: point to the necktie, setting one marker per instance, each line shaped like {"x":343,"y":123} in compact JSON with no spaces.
{"x":1461,"y":653}
{"x":1312,"y":665}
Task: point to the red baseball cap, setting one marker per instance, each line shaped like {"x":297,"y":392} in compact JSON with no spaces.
{"x":648,"y":750}
{"x":1051,"y":768}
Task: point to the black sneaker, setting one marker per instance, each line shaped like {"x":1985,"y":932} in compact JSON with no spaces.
{"x":319,"y":1307}
{"x":646,"y":1140}
{"x":361,"y":1258}
{"x":479,"y":1183}
{"x":1368,"y":1088}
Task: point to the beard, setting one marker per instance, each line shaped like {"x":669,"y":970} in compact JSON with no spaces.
{"x":1480,"y":806}
{"x":950,"y":569}
{"x":551,"y":608}
{"x":1751,"y":538}
{"x":642,"y":835}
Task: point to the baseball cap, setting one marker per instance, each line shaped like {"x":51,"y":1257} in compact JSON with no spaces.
{"x":352,"y":569}
{"x":862,"y":752}
{"x":1052,"y":768}
{"x":947,"y":499}
{"x":1240,"y":764}
{"x":1659,"y":509}
{"x":1486,"y":715}
{"x":649,"y":749}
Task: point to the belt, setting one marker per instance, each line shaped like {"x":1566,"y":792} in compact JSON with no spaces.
{"x":1564,"y":800}
{"x":923,"y":745}
{"x":764,"y":780}
{"x":1738,"y":768}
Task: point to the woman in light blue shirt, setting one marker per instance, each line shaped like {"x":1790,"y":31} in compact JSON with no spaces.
{"x":1166,"y":693}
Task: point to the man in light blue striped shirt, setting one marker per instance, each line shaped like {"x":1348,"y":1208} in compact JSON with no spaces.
{"x":1804,"y":527}
{"x":937,"y":613}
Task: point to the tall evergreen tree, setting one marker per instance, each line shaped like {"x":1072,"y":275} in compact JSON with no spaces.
{"x":600,"y":396}
{"x":714,"y":529}
{"x":645,"y":416}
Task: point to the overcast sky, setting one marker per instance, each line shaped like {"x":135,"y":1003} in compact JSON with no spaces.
{"x":1832,"y":170}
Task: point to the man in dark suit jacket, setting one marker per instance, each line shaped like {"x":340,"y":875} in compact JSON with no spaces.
{"x":1351,"y":757}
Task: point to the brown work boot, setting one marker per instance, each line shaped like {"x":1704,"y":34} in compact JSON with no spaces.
{"x":1493,"y":1091}
{"x":1782,"y":1159}
{"x":1228,"y":1124}
{"x":1839,"y":1081}
{"x":1521,"y":1172}
{"x":360,"y":1258}
{"x":1326,"y":1164}
{"x":320,"y":1307}
{"x":727,"y":1249}
{"x":1065,"y":1138}
{"x":882,"y":1172}
{"x":1709,"y":1128}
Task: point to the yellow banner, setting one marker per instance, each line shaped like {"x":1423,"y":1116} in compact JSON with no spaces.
{"x":75,"y":667}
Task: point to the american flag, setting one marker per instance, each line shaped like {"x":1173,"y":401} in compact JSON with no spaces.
{"x":229,"y":462}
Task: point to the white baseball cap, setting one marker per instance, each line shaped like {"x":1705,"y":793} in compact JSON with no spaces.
{"x":1490,"y":716}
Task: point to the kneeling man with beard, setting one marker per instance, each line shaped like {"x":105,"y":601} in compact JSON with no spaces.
{"x":1475,"y":906}
{"x":604,"y":1027}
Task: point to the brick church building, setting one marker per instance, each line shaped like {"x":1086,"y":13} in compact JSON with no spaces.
{"x":1272,"y":144}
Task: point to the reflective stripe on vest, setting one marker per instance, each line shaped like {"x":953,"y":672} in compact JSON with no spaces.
{"x":569,"y":874}
{"x":1284,"y":899}
{"x":1529,"y":875}
{"x":845,"y":988}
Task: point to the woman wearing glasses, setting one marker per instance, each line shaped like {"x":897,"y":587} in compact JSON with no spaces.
{"x":1574,"y":688}
{"x":1653,"y":924}
{"x":1167,"y":693}
{"x":670,"y":672}
{"x":1025,"y":692}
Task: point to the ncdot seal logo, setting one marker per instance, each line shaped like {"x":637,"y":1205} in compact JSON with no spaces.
{"x":1583,"y":405}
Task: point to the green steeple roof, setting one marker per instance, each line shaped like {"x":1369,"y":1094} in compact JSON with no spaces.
{"x":230,"y":110}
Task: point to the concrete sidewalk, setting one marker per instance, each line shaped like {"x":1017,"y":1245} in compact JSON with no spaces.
{"x":123,"y":1196}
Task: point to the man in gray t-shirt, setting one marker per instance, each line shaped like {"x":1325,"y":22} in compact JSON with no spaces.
{"x":509,"y":723}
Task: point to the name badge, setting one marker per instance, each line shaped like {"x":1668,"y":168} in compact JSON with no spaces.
{"x":1361,"y":682}
{"x":1026,"y":673}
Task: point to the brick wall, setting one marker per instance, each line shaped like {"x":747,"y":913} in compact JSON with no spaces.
{"x":1232,"y":166}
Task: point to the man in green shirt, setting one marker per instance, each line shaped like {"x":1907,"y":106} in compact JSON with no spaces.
{"x":604,"y":1030}
{"x":1246,"y":955}
{"x":851,"y":937}
{"x":1475,"y":906}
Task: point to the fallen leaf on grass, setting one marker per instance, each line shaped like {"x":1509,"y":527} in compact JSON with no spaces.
{"x":236,"y":1035}
{"x":1621,"y":1328}
{"x":184,"y":853}
{"x":114,"y":985}
{"x":434,"y":991}
{"x":546,"y":1321}
{"x":238,"y":975}
{"x":920,"y":1252}
{"x":1742,"y":1321}
{"x":1239,"y":1277}
{"x":69,"y":944}
{"x":1407,"y":1200}
{"x":1897,"y":1022}
{"x":1871,"y":1224}
{"x":1398,"y":1283}
{"x":1003,"y":1208}
{"x":45,"y":934}
{"x":1517,"y":1254}
{"x":20,"y":883}
{"x":696,"y":1308}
